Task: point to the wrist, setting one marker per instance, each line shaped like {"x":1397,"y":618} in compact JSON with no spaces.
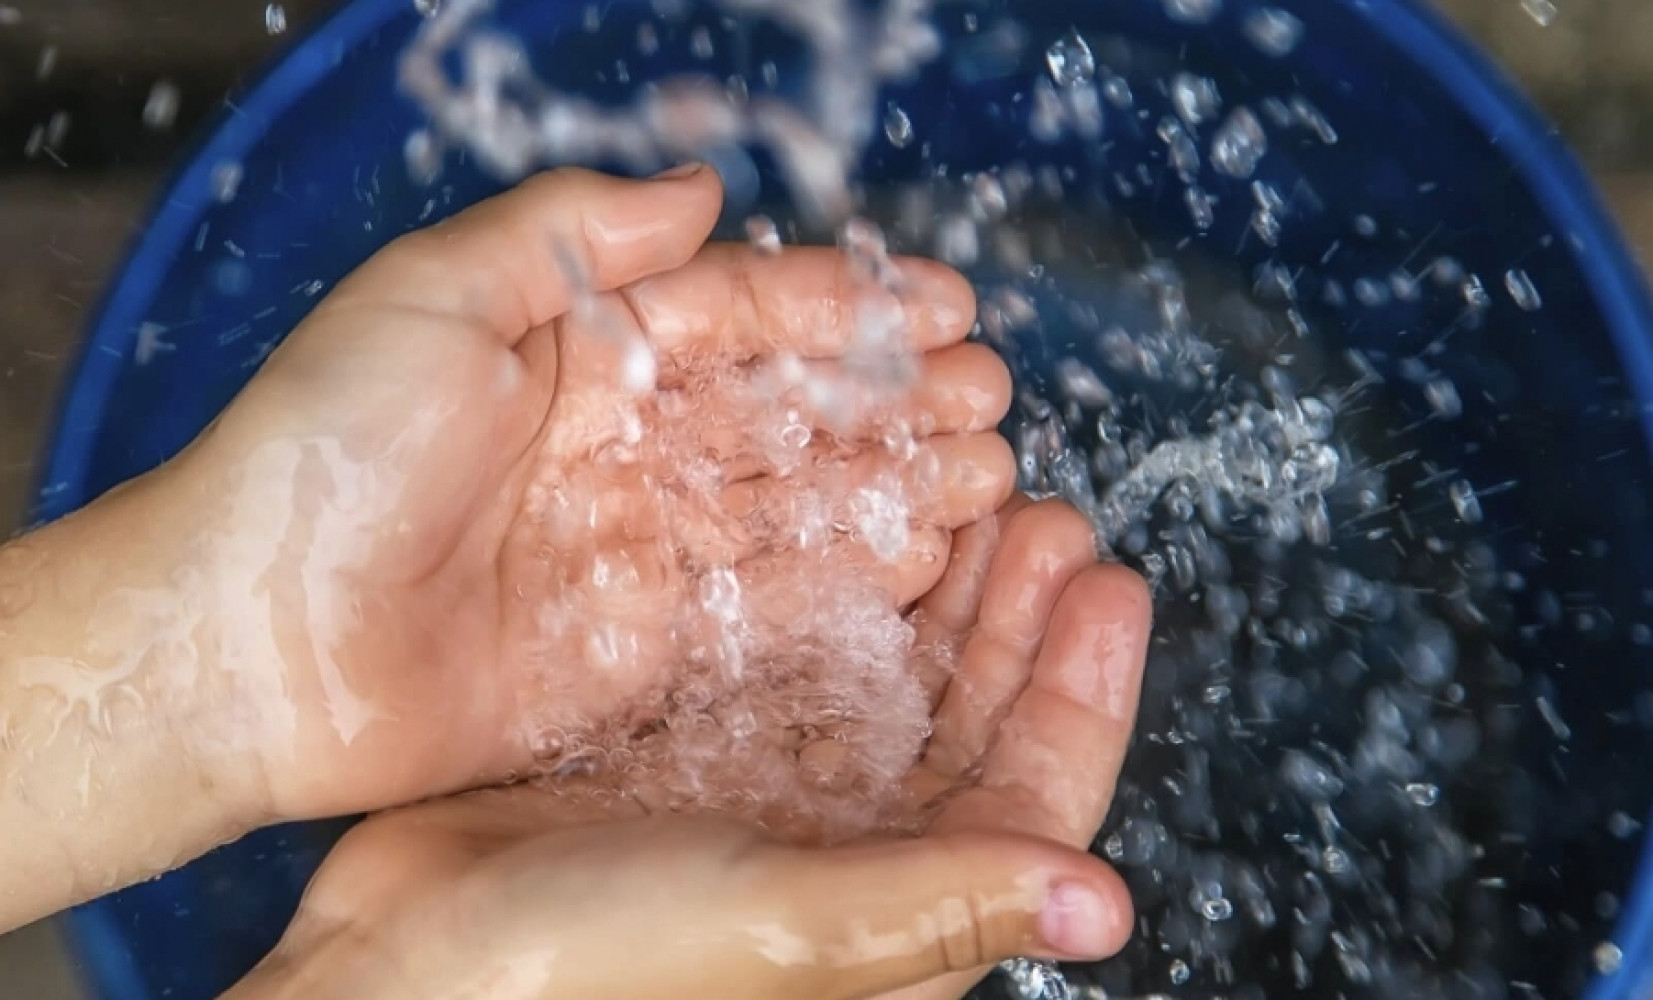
{"x":114,"y":761}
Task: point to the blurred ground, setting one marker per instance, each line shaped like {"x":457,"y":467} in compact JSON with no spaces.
{"x":69,"y":206}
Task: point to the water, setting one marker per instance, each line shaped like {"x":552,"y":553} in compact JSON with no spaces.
{"x":1333,"y":784}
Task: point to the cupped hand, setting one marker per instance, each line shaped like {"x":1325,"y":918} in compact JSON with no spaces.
{"x":541,"y":893}
{"x":397,"y":519}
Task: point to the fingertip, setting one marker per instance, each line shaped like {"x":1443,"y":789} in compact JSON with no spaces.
{"x":1055,"y":525}
{"x":1087,"y":915}
{"x":1122,"y":589}
{"x":940,"y":302}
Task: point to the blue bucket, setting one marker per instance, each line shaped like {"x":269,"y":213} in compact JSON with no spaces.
{"x":1436,"y":150}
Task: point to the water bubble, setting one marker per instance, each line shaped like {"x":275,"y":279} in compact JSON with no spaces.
{"x":1070,"y":60}
{"x":1192,"y":11}
{"x":1217,"y":909}
{"x":275,"y":19}
{"x":898,"y":128}
{"x":160,"y":110}
{"x":1239,"y":144}
{"x":1274,"y":32}
{"x":1179,"y":972}
{"x":1522,"y":290}
{"x":428,"y":8}
{"x":1541,"y":11}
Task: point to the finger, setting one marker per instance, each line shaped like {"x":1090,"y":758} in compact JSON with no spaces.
{"x":501,"y":264}
{"x":953,"y":481}
{"x":1062,"y":748}
{"x":962,"y":389}
{"x":948,"y":611}
{"x":784,"y":588}
{"x":1043,"y":547}
{"x":806,"y":301}
{"x":884,"y":917}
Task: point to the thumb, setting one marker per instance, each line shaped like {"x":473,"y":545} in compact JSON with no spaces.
{"x":882,"y":917}
{"x":502,"y":263}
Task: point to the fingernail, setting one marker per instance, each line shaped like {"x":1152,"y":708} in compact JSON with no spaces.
{"x":1074,"y":921}
{"x":679,"y":172}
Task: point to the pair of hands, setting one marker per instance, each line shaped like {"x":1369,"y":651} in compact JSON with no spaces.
{"x":358,"y":633}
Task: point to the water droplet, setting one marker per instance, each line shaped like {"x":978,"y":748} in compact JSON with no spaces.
{"x":1442,"y":396}
{"x":1274,"y":32}
{"x":1541,"y":11}
{"x":160,"y":111}
{"x":957,"y":242}
{"x":1239,"y":144}
{"x":1607,"y":958}
{"x":1475,"y":293}
{"x":1179,"y":972}
{"x":1464,"y":501}
{"x":1200,"y":208}
{"x":1070,"y":60}
{"x":428,"y":8}
{"x":1217,"y":909}
{"x":1116,"y":90}
{"x":763,"y":234}
{"x":1622,"y":826}
{"x":226,"y":181}
{"x":700,"y":43}
{"x":424,"y":156}
{"x":1522,"y":290}
{"x":1195,"y":98}
{"x":898,"y":128}
{"x":1192,"y":11}
{"x":275,"y":19}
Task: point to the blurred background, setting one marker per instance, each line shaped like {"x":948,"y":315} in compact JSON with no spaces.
{"x":99,"y":98}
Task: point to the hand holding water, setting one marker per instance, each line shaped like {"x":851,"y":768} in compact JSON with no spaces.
{"x":315,"y":610}
{"x":539,"y":894}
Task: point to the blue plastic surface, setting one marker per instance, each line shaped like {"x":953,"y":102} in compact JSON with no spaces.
{"x":1434,"y":147}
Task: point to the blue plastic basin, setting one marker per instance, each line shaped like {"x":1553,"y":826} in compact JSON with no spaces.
{"x":1434,"y":147}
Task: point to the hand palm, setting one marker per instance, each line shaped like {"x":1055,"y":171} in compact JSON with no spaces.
{"x":409,"y":432}
{"x":1033,"y":729}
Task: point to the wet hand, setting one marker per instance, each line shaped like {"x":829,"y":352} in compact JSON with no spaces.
{"x":544,"y":892}
{"x":388,"y":514}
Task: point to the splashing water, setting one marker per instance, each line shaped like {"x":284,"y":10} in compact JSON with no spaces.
{"x":1329,"y":695}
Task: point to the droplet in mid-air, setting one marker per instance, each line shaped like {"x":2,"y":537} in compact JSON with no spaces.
{"x":1192,"y":11}
{"x":898,"y":128}
{"x":1541,"y":11}
{"x":1070,"y":60}
{"x":1522,"y":290}
{"x":160,"y":111}
{"x":1274,"y":32}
